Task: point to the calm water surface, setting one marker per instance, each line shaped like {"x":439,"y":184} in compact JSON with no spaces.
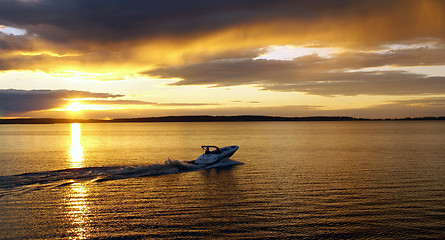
{"x":299,"y":180}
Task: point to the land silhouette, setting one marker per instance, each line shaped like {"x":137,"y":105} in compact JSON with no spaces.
{"x":207,"y":118}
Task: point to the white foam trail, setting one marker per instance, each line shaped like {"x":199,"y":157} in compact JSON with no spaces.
{"x":38,"y":180}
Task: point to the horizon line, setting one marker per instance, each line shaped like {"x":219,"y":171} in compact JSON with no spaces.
{"x":206,"y":118}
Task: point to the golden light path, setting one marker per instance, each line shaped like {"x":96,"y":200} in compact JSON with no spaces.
{"x":77,"y":195}
{"x":76,"y":150}
{"x":78,"y":211}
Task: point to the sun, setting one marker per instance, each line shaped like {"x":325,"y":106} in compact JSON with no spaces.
{"x":75,"y":107}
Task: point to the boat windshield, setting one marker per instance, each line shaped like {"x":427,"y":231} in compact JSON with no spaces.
{"x":211,"y":149}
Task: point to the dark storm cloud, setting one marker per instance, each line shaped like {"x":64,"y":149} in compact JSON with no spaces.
{"x":121,"y":20}
{"x":115,"y":20}
{"x":104,"y":33}
{"x":11,"y":43}
{"x":17,"y":101}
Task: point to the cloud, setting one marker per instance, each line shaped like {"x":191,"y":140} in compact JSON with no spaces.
{"x":419,"y":107}
{"x":376,"y":83}
{"x":239,"y":101}
{"x":18,"y":101}
{"x":120,"y":20}
{"x":97,"y":35}
{"x":214,"y":43}
{"x":138,"y":102}
{"x":345,"y":73}
{"x":187,"y":104}
{"x":291,"y":110}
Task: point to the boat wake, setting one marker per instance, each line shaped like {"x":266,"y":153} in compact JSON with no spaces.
{"x":38,"y":180}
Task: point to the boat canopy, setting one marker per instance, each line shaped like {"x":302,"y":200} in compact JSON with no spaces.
{"x":207,"y":149}
{"x":208,"y":146}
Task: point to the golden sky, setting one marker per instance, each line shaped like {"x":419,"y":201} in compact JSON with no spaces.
{"x":119,"y":59}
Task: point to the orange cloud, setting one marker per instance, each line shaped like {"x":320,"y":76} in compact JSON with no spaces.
{"x":142,"y":42}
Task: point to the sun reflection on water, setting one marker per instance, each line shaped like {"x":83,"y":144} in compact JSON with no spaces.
{"x":77,"y":203}
{"x":76,"y":150}
{"x":78,"y":211}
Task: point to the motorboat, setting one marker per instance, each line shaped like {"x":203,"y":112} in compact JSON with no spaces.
{"x":213,"y":154}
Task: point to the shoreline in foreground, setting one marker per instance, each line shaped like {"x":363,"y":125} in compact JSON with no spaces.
{"x":207,"y":118}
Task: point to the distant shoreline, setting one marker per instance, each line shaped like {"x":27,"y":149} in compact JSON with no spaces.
{"x":208,"y":118}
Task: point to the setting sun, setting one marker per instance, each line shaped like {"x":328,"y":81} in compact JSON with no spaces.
{"x":75,"y":107}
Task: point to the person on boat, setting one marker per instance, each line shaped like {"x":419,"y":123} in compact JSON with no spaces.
{"x":207,"y":150}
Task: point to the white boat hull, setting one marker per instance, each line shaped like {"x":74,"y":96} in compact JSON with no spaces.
{"x":213,"y":157}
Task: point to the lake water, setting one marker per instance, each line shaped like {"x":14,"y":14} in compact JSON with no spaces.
{"x":309,"y":180}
